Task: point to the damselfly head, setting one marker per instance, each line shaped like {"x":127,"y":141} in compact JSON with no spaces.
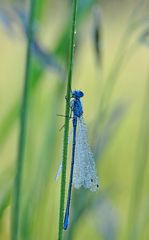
{"x":77,"y":94}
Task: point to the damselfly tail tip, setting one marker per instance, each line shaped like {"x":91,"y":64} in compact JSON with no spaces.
{"x":66,"y":223}
{"x":66,"y":220}
{"x":65,"y":227}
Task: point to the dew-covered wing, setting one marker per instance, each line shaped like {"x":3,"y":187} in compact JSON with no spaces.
{"x":84,"y":165}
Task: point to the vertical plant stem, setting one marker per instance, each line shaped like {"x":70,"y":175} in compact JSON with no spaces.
{"x":113,"y":75}
{"x":23,"y":128}
{"x":66,"y":128}
{"x":141,"y":161}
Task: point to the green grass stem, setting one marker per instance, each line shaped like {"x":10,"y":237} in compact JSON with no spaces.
{"x":66,"y":128}
{"x":119,"y":61}
{"x":140,"y":167}
{"x":23,"y":128}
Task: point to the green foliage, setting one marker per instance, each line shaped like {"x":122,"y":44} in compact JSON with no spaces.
{"x":23,"y":128}
{"x":112,"y":107}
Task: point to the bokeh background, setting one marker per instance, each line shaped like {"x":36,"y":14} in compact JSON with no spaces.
{"x":112,"y":68}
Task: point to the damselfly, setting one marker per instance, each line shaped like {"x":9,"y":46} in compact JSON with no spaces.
{"x":83,"y":170}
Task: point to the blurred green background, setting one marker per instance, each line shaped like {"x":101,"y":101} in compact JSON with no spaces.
{"x":112,"y":68}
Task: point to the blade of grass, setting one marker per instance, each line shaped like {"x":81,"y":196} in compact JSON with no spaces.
{"x":141,"y":161}
{"x":113,"y":75}
{"x":82,"y":10}
{"x":5,"y":200}
{"x":66,"y":128}
{"x":23,"y":127}
{"x":8,"y":123}
{"x":42,"y":168}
